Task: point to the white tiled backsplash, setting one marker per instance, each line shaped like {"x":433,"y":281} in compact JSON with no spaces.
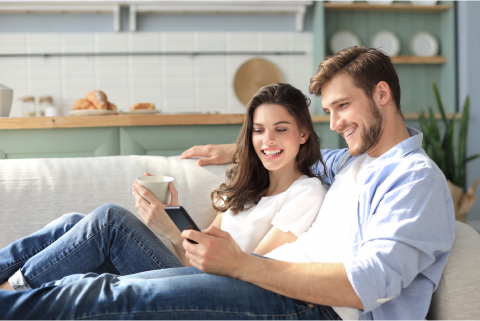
{"x":202,"y":83}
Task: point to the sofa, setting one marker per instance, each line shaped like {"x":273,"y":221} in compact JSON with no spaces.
{"x":34,"y":192}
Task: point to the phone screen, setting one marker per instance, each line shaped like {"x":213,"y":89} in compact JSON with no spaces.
{"x":181,"y":218}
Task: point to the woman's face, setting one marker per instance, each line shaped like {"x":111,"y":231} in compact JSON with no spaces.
{"x":276,"y":137}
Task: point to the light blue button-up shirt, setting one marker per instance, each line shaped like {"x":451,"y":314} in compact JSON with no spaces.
{"x":402,"y":232}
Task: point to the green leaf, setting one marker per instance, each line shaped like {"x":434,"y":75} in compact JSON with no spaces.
{"x":472,"y":158}
{"x":434,"y":131}
{"x":439,"y":102}
{"x":462,"y":137}
{"x":451,"y":169}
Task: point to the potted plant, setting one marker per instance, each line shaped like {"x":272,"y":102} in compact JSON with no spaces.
{"x":448,"y":156}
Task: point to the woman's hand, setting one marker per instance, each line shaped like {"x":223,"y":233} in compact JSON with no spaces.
{"x":152,"y":212}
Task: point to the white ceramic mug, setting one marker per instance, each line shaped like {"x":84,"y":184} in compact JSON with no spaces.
{"x":158,"y":186}
{"x":6,"y":98}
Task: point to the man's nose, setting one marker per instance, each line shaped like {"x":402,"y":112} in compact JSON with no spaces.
{"x":335,"y":120}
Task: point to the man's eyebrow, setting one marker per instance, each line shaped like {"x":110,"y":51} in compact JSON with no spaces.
{"x":339,"y":100}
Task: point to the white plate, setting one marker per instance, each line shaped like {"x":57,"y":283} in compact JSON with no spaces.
{"x":341,"y":1}
{"x":343,"y":39}
{"x":382,"y":2}
{"x":424,"y":44}
{"x":91,"y":112}
{"x":423,"y":2}
{"x":386,"y":41}
{"x":140,"y":111}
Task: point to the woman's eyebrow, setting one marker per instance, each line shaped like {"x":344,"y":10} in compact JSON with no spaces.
{"x":277,"y":123}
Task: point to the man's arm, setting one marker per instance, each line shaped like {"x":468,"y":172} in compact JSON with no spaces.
{"x":319,"y":283}
{"x":213,"y":154}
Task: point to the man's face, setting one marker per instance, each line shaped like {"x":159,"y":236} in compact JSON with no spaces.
{"x":352,"y":114}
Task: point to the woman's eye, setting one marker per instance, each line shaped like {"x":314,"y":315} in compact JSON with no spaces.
{"x":256,"y":130}
{"x":281,"y":129}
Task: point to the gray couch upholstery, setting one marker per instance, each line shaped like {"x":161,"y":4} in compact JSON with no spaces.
{"x":34,"y":192}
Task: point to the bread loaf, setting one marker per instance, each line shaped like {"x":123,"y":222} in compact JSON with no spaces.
{"x":98,"y":99}
{"x":83,"y":104}
{"x":112,"y":106}
{"x":138,"y":106}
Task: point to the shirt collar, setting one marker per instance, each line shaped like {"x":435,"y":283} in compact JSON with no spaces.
{"x":406,"y":146}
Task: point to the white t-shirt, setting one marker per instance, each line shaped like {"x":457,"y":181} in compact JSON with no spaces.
{"x":293,"y":210}
{"x":329,"y":239}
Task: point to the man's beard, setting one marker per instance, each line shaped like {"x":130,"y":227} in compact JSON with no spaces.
{"x":371,"y":134}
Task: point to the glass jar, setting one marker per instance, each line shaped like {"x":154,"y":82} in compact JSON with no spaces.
{"x":28,"y":106}
{"x":46,"y":106}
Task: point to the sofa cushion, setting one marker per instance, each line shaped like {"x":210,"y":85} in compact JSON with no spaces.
{"x":458,"y":294}
{"x":36,"y":191}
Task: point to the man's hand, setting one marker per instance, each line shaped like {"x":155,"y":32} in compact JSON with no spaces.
{"x":214,"y":154}
{"x":216,"y":252}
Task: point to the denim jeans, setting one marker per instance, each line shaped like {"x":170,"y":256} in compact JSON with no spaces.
{"x":55,"y":262}
{"x":177,"y":293}
{"x":108,"y":240}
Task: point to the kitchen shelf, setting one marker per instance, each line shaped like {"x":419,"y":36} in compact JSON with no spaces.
{"x":410,"y":60}
{"x":149,"y":120}
{"x":398,"y":7}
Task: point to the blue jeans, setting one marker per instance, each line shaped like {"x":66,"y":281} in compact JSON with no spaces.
{"x":55,"y":262}
{"x":108,"y":240}
{"x":177,"y":293}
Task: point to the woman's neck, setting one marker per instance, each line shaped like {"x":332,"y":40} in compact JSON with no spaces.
{"x":281,"y":180}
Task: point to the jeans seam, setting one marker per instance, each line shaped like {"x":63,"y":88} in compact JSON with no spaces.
{"x":161,"y":266}
{"x":195,"y":310}
{"x":22,"y":260}
{"x":32,"y":278}
{"x":327,"y":313}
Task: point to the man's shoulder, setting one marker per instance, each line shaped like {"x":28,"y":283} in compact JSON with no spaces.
{"x":413,"y":166}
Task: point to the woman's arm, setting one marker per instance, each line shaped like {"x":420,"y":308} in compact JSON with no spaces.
{"x":274,"y":239}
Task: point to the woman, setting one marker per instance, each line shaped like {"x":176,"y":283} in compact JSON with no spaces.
{"x":271,"y":196}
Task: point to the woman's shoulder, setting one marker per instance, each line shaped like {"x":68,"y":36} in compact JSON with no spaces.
{"x":308,"y":183}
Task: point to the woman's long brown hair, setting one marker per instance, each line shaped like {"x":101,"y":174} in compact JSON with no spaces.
{"x":248,"y":178}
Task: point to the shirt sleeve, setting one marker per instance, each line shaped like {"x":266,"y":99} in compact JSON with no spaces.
{"x":332,"y":159}
{"x":409,"y":235}
{"x":301,"y":207}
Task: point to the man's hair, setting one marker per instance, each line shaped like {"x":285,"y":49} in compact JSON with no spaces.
{"x":248,"y":178}
{"x":366,"y":67}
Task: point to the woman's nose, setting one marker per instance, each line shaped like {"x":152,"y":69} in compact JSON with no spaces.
{"x":269,"y":138}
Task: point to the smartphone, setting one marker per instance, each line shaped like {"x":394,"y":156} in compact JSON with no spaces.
{"x":181,"y":219}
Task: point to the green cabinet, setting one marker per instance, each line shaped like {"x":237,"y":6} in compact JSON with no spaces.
{"x":404,"y":20}
{"x":132,"y":140}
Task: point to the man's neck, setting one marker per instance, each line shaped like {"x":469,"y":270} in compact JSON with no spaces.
{"x":394,"y":132}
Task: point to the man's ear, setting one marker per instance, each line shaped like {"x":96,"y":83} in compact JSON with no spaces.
{"x":383,"y":93}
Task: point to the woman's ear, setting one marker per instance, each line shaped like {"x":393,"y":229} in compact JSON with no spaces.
{"x":303,"y":137}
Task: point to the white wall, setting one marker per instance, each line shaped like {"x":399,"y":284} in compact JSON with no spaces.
{"x":174,"y":83}
{"x":469,"y":84}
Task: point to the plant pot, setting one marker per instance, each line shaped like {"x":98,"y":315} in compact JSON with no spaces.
{"x":462,"y":202}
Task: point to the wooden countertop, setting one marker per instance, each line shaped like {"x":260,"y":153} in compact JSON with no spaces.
{"x":142,"y":120}
{"x":126,"y":120}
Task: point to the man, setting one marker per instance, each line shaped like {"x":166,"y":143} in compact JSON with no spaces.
{"x":376,"y":250}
